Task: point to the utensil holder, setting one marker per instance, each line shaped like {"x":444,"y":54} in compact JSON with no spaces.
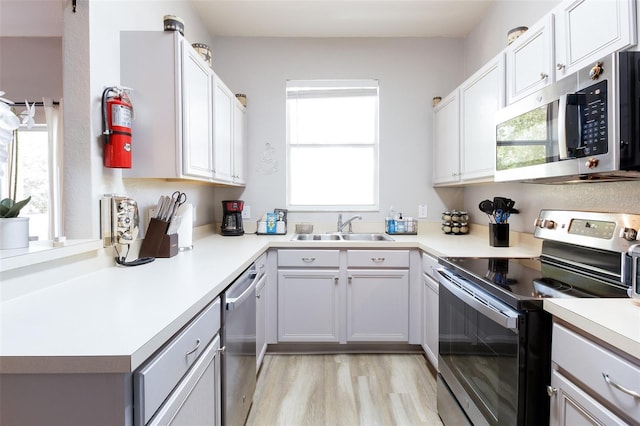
{"x":499,"y":234}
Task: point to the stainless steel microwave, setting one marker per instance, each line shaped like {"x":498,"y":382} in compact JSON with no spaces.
{"x":585,"y":127}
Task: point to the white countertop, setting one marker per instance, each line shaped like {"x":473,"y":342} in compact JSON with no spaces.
{"x":614,"y":321}
{"x":112,"y":319}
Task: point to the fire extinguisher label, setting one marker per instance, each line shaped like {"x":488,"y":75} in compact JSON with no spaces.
{"x":120,"y":116}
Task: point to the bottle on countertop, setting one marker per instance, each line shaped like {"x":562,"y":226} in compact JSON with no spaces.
{"x":400,"y":224}
{"x":391,"y":221}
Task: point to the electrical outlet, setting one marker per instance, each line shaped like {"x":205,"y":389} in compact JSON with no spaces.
{"x":422,"y":211}
{"x":119,"y":220}
{"x":246,"y":212}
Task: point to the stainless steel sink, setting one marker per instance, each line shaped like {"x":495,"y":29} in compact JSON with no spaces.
{"x":342,"y":237}
{"x":316,"y":237}
{"x":366,"y":237}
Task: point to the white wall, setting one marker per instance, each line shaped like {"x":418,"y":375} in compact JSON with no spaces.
{"x":91,"y":49}
{"x":411,"y":71}
{"x":482,"y":44}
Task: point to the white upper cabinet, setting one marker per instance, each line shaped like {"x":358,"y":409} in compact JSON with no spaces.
{"x":465,"y":128}
{"x":446,"y":140}
{"x":587,"y":30}
{"x":224,"y":101}
{"x":239,"y":143}
{"x":197,"y":113}
{"x":481,"y":96}
{"x":529,"y":60}
{"x":181,"y":110}
{"x":230,"y":136}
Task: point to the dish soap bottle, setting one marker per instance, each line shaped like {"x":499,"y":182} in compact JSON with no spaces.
{"x":391,"y":221}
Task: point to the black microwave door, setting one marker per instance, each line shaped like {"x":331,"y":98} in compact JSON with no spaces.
{"x":629,"y":63}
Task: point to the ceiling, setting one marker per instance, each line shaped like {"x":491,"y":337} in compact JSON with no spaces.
{"x":341,"y":18}
{"x":286,"y":18}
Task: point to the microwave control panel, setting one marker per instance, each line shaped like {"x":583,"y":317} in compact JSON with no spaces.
{"x":592,"y":126}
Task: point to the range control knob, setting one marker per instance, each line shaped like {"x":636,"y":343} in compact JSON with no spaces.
{"x":629,"y":234}
{"x":592,"y":163}
{"x":549,"y":224}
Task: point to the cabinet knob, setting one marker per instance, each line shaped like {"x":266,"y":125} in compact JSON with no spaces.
{"x":551,"y":391}
{"x":350,"y":279}
{"x":308,"y":259}
{"x":335,"y":280}
{"x":560,"y":67}
{"x":543,"y":76}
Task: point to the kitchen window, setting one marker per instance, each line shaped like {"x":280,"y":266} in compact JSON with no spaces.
{"x":39,"y":172}
{"x":332,"y":145}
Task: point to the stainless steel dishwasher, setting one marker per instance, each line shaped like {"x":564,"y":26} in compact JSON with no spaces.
{"x":239,"y":342}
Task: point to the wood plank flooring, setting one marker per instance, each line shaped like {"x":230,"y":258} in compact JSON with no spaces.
{"x":345,"y":389}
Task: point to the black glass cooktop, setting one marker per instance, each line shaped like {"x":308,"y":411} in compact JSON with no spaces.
{"x":523,"y":283}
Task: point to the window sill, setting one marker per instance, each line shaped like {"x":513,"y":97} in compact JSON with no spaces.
{"x":44,"y":251}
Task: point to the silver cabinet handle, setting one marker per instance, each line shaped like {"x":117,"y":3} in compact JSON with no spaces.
{"x":350,"y":279}
{"x":308,"y":259}
{"x":551,"y":391}
{"x":335,"y":280}
{"x":194,"y":349}
{"x":377,"y":259}
{"x":559,"y":66}
{"x":543,"y":76}
{"x":222,"y":349}
{"x":620,"y":387}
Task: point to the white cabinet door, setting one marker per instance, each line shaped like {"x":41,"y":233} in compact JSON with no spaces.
{"x":430,"y":319}
{"x":223,"y":135}
{"x":308,"y":305}
{"x":480,"y":97}
{"x":239,"y":143}
{"x":571,"y":406}
{"x":197,"y":398}
{"x":529,"y":60}
{"x":197,"y":113}
{"x":261,"y":321}
{"x":446,"y":140}
{"x":378,"y":305}
{"x":587,"y":30}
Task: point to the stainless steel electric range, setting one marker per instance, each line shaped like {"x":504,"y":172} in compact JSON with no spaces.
{"x":495,"y":338}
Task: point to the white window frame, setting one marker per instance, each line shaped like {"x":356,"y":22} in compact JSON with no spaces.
{"x":364,"y":84}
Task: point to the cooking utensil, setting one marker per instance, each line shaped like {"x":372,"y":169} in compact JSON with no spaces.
{"x":486,"y":206}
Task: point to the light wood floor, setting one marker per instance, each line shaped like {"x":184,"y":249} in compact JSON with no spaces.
{"x":340,"y":390}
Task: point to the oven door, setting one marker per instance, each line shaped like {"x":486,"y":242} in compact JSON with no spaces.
{"x":479,"y":355}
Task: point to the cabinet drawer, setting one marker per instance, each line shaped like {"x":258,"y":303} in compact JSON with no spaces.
{"x":589,"y":362}
{"x":312,"y":258}
{"x":153,"y":382}
{"x":430,"y":265}
{"x":378,"y":259}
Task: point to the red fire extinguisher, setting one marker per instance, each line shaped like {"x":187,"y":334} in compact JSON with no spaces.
{"x":117,"y":113}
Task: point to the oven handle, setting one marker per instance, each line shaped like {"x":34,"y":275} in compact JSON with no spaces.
{"x":506,"y":318}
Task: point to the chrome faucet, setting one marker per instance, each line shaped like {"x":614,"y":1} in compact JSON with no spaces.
{"x":342,"y":224}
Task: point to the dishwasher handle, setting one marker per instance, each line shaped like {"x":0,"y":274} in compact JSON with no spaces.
{"x":235,"y":302}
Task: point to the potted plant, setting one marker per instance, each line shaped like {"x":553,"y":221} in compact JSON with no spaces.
{"x":14,"y":230}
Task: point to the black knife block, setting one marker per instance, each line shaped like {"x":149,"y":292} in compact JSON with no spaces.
{"x":157,"y":243}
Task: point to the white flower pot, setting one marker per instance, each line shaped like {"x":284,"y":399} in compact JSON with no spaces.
{"x":14,"y":233}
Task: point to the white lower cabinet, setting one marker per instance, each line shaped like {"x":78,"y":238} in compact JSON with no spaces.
{"x":590,"y":384}
{"x":570,"y":405}
{"x":343,"y":296}
{"x":430,"y":294}
{"x":308,"y":305}
{"x":378,"y":306}
{"x":261,"y":321}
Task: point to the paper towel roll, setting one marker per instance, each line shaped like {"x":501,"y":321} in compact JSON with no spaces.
{"x":185,"y":230}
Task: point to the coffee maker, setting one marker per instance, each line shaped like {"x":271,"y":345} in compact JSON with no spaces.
{"x":232,"y":217}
